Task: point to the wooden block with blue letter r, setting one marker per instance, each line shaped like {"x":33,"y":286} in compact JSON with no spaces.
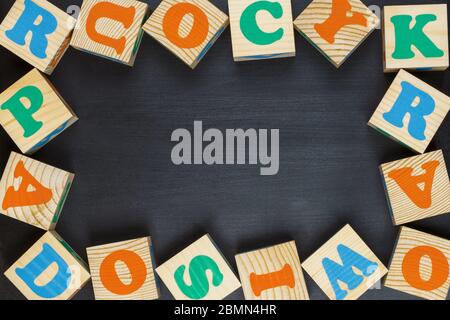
{"x":199,"y":272}
{"x":49,"y":270}
{"x":411,"y":112}
{"x":333,"y":266}
{"x":38,"y":32}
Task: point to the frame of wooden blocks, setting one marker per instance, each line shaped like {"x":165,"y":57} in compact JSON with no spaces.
{"x":420,"y":265}
{"x":123,"y":270}
{"x":272,"y":273}
{"x":335,"y":262}
{"x":417,"y":187}
{"x":38,"y":32}
{"x":411,"y":112}
{"x":188,"y":28}
{"x":261,"y":29}
{"x":32,"y":112}
{"x":199,"y":272}
{"x":33,"y":192}
{"x":336,"y":27}
{"x":49,"y":270}
{"x":110,"y":29}
{"x":415,"y":37}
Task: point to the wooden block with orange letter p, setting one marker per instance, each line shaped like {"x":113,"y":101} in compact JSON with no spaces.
{"x":199,"y":272}
{"x":420,"y":265}
{"x":188,"y":28}
{"x":123,"y":270}
{"x":33,"y":192}
{"x":110,"y":29}
{"x":272,"y":273}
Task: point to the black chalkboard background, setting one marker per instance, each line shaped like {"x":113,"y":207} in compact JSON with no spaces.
{"x":126,"y":185}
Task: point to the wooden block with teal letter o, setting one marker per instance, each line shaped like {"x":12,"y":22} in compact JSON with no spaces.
{"x":199,"y":272}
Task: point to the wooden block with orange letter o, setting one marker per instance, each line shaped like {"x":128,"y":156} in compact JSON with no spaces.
{"x":417,"y":187}
{"x":33,"y":192}
{"x":110,"y":28}
{"x":123,"y":270}
{"x":420,"y":265}
{"x":188,"y":28}
{"x":272,"y":273}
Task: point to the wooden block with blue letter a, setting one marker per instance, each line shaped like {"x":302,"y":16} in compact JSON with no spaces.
{"x":333,"y":266}
{"x":38,"y":32}
{"x":199,"y":272}
{"x":411,"y":112}
{"x":49,"y":270}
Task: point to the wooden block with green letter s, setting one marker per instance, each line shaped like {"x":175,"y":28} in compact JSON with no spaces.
{"x":261,"y":29}
{"x":38,"y":32}
{"x":110,"y":29}
{"x":198,"y":272}
{"x":33,"y":192}
{"x":415,"y":37}
{"x":32,"y":112}
{"x":188,"y":28}
{"x":334,"y":265}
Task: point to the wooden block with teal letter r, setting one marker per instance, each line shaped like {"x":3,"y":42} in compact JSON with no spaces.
{"x":334,"y":265}
{"x":199,"y":272}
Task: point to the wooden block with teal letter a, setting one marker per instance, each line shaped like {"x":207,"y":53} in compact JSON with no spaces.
{"x":198,"y":272}
{"x":333,"y":266}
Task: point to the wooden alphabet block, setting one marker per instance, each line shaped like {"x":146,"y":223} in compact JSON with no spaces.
{"x":33,"y":192}
{"x":49,"y":270}
{"x":334,"y":265}
{"x":410,"y":112}
{"x":272,"y":273}
{"x":38,"y":32}
{"x":415,"y":37}
{"x":261,"y":29}
{"x":32,"y":112}
{"x":110,"y":29}
{"x":336,"y":27}
{"x":420,"y":265}
{"x":417,"y":187}
{"x":123,"y":270}
{"x":188,"y":28}
{"x":199,"y":272}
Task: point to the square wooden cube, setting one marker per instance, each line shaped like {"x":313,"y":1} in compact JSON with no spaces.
{"x":272,"y":273}
{"x":32,"y":112}
{"x":261,"y":29}
{"x":199,"y":272}
{"x":336,"y":27}
{"x":188,"y":28}
{"x":415,"y":37}
{"x":417,"y":187}
{"x":33,"y":192}
{"x":420,"y":265}
{"x":411,"y":112}
{"x":110,"y":29}
{"x":123,"y":270}
{"x":38,"y":32}
{"x":333,"y":266}
{"x":49,"y":270}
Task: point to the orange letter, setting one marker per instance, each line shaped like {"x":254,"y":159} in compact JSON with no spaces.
{"x":283,"y":277}
{"x":23,"y":197}
{"x":199,"y":30}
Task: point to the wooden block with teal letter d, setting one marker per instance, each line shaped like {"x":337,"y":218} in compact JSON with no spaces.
{"x":198,"y":272}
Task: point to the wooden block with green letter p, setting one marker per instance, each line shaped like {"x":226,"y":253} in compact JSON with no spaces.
{"x":32,"y":112}
{"x":38,"y":32}
{"x":33,"y":192}
{"x":198,"y":272}
{"x":110,"y":29}
{"x":411,"y":112}
{"x":261,"y":29}
{"x":188,"y":28}
{"x":334,"y":264}
{"x":415,"y":37}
